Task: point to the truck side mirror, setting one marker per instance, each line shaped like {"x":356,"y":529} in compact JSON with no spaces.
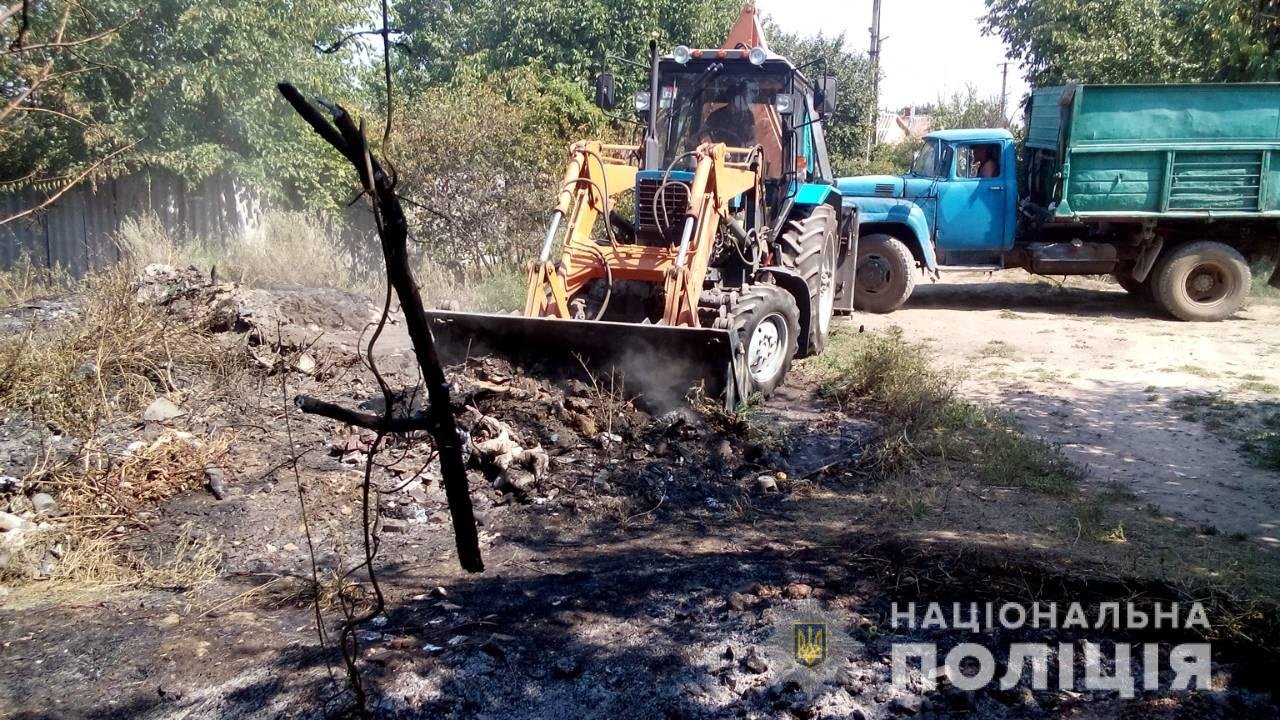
{"x":825,"y":95}
{"x":606,"y":91}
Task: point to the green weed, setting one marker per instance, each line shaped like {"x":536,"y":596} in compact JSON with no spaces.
{"x":896,"y":380}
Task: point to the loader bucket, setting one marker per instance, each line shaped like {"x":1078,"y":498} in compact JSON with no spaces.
{"x":657,"y":364}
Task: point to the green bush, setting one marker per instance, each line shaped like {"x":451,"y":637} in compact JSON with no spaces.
{"x":478,"y":162}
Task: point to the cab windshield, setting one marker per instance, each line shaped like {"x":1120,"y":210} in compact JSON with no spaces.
{"x":933,"y":160}
{"x":734,"y":108}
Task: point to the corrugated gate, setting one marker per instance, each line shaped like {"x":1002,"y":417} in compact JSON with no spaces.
{"x":76,"y":231}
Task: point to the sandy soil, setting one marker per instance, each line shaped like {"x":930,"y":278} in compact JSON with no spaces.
{"x":1088,"y":366}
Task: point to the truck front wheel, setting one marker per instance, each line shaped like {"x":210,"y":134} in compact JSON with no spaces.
{"x":886,"y":274}
{"x":1202,"y":281}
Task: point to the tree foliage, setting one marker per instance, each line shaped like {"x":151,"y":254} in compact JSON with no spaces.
{"x":189,"y":85}
{"x":848,"y":130}
{"x":571,"y":39}
{"x":964,"y":109}
{"x":478,"y":160}
{"x":50,"y":137}
{"x":1117,"y":41}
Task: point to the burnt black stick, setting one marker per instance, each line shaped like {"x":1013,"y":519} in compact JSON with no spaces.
{"x":393,"y":231}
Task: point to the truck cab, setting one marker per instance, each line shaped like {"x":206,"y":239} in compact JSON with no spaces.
{"x":956,"y":206}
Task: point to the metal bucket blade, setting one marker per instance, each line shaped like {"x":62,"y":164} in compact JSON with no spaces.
{"x":659,"y":363}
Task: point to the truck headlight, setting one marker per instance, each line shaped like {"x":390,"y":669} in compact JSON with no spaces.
{"x":782,"y":102}
{"x":681,"y":54}
{"x":756,"y":56}
{"x":642,"y":101}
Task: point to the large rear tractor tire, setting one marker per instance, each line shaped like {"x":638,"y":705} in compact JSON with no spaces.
{"x":1201,"y":281}
{"x":809,"y":248}
{"x":767,"y":323}
{"x":886,"y":274}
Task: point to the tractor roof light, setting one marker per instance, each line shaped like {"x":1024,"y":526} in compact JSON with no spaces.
{"x":757,"y":56}
{"x":642,"y":101}
{"x":681,"y":54}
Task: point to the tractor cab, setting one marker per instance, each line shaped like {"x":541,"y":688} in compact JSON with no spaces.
{"x":755,"y":102}
{"x":738,"y":104}
{"x":742,"y":98}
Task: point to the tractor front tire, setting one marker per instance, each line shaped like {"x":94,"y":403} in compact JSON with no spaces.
{"x":1202,"y":281}
{"x":809,"y":248}
{"x":886,"y":274}
{"x":767,"y":323}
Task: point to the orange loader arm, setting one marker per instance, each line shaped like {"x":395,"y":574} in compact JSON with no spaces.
{"x":599,"y":173}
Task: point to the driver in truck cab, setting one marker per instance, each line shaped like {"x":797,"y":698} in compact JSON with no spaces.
{"x":985,"y":164}
{"x":733,"y":123}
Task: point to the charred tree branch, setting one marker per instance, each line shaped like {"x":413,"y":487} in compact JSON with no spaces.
{"x":402,"y":424}
{"x":393,"y":231}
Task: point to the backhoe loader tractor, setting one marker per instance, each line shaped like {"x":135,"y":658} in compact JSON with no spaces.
{"x":709,"y":255}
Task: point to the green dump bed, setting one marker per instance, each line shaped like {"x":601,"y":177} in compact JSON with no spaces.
{"x":1208,"y":150}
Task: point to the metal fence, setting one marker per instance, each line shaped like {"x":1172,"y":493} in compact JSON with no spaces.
{"x":77,"y":231}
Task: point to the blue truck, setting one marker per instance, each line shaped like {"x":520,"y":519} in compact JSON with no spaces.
{"x":1172,"y":189}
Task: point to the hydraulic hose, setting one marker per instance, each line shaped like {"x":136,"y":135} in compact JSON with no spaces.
{"x":608,"y":276}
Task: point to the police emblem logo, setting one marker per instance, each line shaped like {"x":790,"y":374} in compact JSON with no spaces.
{"x":810,"y":643}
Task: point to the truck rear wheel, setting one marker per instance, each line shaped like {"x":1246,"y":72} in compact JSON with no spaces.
{"x":767,"y":323}
{"x":885,"y":276}
{"x":1201,"y":281}
{"x":809,"y":248}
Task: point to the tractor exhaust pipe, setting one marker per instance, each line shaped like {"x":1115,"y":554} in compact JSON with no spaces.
{"x":652,"y":156}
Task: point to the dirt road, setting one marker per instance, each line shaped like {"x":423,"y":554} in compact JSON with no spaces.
{"x":1109,"y":378}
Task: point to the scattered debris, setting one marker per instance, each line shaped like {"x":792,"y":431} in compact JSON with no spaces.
{"x":12,"y":522}
{"x":162,"y":410}
{"x":215,"y":481}
{"x":44,"y":504}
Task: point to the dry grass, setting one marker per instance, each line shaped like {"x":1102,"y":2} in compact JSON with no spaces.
{"x":89,"y":563}
{"x":116,"y":357}
{"x":25,"y":281}
{"x":188,"y":565}
{"x":897,"y":381}
{"x":292,"y":248}
{"x":313,"y":250}
{"x":330,"y":590}
{"x":106,"y":489}
{"x":109,"y":360}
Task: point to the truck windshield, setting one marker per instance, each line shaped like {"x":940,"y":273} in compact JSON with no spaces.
{"x":932,"y":160}
{"x":735,"y":108}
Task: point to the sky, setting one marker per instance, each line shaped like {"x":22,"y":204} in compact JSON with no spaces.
{"x":929,"y":48}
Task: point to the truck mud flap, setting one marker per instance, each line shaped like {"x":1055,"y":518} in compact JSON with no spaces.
{"x":656,"y":364}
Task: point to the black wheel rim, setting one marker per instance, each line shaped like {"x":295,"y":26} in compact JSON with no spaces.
{"x":874,"y":274}
{"x":1208,"y":283}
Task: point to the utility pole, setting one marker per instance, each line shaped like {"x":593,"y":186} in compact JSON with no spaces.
{"x":1004,"y":92}
{"x":874,"y":55}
